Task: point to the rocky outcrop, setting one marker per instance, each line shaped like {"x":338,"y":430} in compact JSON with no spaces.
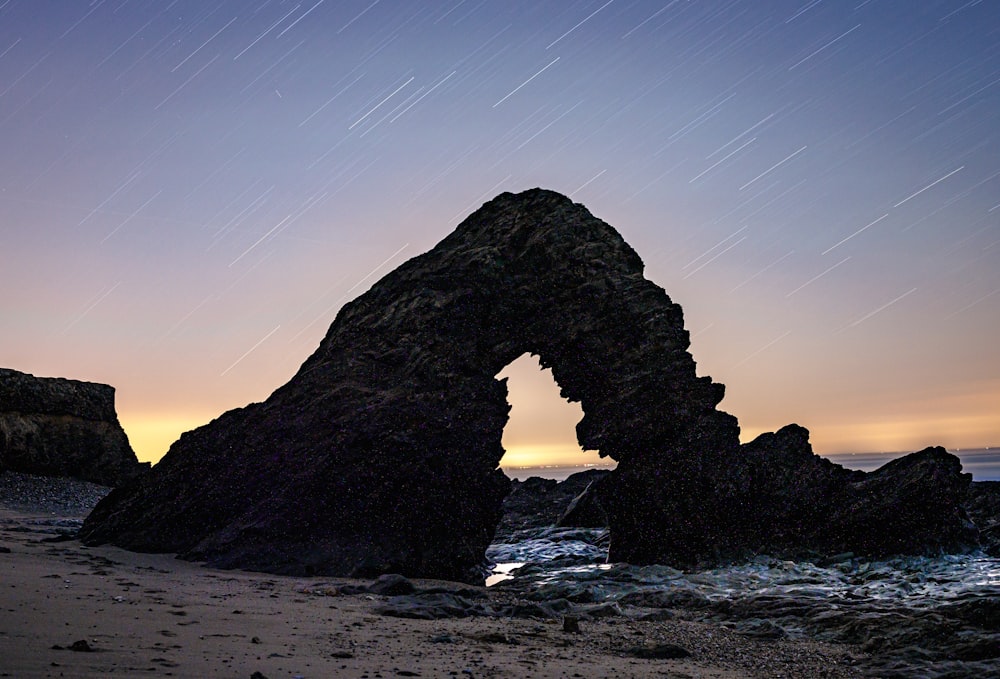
{"x":539,"y":503}
{"x":381,"y":454}
{"x":984,"y":509}
{"x":58,"y":427}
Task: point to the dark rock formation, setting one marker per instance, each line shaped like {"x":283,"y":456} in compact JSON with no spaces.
{"x":911,"y":505}
{"x":984,"y":509}
{"x":539,"y":503}
{"x":381,"y":454}
{"x":57,"y":427}
{"x":585,"y":510}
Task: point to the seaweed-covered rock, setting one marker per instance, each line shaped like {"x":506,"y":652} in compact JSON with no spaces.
{"x":52,"y":426}
{"x":381,"y":454}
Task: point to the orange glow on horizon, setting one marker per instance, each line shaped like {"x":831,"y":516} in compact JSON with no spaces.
{"x":151,"y":434}
{"x":542,"y":426}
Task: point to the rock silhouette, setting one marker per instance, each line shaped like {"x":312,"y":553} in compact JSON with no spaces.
{"x":57,"y":427}
{"x":381,"y":454}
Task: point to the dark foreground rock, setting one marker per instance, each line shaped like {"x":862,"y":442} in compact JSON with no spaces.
{"x":57,"y":427}
{"x":537,"y":503}
{"x":984,"y":509}
{"x":381,"y":454}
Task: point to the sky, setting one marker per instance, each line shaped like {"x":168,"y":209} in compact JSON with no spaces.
{"x":190,"y":190}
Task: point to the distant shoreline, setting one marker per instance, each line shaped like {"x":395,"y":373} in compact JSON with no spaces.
{"x":982,"y":463}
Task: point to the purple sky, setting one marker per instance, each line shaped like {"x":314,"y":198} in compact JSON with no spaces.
{"x":189,"y":191}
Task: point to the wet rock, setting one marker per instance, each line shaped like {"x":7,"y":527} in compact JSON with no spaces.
{"x":58,"y":427}
{"x":381,"y":455}
{"x":984,"y":510}
{"x":433,"y":606}
{"x":551,"y":609}
{"x":391,"y":584}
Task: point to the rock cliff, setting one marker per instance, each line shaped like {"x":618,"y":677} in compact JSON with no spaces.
{"x":57,"y":427}
{"x":381,"y":454}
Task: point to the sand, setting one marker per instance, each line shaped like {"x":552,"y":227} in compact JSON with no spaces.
{"x":155,"y":615}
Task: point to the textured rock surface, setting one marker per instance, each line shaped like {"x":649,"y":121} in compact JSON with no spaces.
{"x":984,"y":508}
{"x":58,"y":427}
{"x":381,"y":454}
{"x":689,"y":507}
{"x":539,"y":503}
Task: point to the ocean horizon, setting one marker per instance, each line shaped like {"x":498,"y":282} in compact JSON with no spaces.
{"x":982,"y":463}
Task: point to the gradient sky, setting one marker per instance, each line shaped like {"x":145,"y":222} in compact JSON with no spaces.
{"x":190,"y":190}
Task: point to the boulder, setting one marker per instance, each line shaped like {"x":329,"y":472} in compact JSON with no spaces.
{"x":381,"y":455}
{"x":539,"y":503}
{"x":585,"y":510}
{"x":52,"y":426}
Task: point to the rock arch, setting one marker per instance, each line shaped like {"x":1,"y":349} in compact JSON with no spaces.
{"x":541,"y":424}
{"x":381,"y":454}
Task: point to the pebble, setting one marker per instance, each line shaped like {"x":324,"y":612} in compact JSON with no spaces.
{"x":48,"y":494}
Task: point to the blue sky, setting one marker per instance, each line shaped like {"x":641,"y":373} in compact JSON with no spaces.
{"x":190,"y":190}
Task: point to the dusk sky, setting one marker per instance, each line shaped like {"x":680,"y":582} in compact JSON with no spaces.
{"x":190,"y":190}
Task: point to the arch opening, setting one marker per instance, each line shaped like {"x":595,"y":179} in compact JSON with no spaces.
{"x":539,"y":438}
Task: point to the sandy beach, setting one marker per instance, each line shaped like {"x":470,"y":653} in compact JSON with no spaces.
{"x":76,"y":611}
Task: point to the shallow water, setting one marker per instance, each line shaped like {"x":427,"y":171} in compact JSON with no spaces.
{"x":917,"y":616}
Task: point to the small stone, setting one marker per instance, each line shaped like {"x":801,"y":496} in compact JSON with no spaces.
{"x":81,"y":646}
{"x":571,"y":624}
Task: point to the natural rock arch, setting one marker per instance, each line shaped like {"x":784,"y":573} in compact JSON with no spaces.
{"x":541,"y":425}
{"x":381,"y":454}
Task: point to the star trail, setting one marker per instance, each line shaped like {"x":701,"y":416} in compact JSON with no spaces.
{"x":816,"y":183}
